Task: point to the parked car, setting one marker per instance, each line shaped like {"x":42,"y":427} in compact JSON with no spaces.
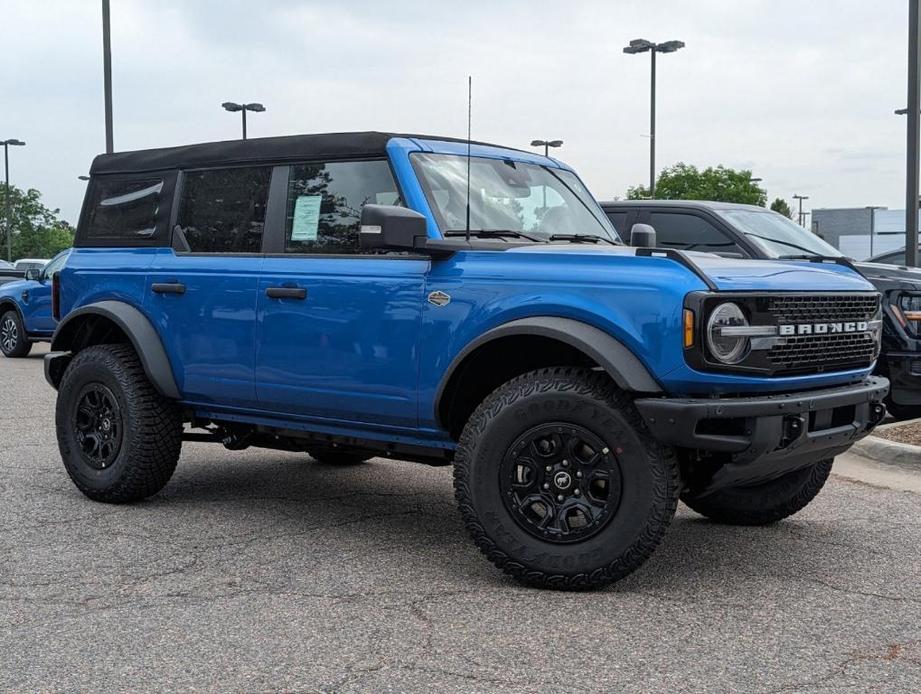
{"x":896,"y":257}
{"x":8,"y":273}
{"x":746,"y":231}
{"x":25,"y":308}
{"x":31,"y":263}
{"x":339,"y":295}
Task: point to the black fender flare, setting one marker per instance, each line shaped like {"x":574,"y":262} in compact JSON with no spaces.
{"x":622,"y":365}
{"x":140,"y":332}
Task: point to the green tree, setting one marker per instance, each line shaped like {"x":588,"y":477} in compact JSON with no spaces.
{"x":780,"y":205}
{"x":686,"y":182}
{"x":37,"y":232}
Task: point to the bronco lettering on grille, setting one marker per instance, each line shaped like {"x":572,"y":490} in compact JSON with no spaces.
{"x":824,"y":328}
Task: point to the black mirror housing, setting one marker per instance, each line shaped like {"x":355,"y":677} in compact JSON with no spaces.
{"x":388,"y":227}
{"x":643,"y":236}
{"x":34,"y":274}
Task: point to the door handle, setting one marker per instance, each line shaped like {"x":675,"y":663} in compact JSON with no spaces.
{"x":286,"y":293}
{"x":168,"y":288}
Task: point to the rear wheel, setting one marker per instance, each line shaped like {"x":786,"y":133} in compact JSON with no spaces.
{"x":119,"y":438}
{"x":560,"y":484}
{"x":338,"y":456}
{"x":13,"y":339}
{"x":761,"y":504}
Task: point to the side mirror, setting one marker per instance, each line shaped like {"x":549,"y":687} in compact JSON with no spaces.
{"x":34,"y":274}
{"x":387,"y":227}
{"x":643,"y":236}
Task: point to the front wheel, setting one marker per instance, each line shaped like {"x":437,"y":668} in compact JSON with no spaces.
{"x":560,"y":484}
{"x":764,"y":503}
{"x":13,"y":339}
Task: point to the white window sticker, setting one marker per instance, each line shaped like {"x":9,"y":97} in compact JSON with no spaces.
{"x":306,"y":221}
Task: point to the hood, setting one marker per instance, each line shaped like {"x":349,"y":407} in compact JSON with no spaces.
{"x":891,"y":276}
{"x":16,"y":286}
{"x":735,"y":275}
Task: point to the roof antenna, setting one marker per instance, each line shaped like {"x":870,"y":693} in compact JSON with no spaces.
{"x":469,"y":111}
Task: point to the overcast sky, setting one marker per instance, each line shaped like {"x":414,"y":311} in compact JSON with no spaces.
{"x":800,"y":92}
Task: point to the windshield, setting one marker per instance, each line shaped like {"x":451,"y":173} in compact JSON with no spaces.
{"x":509,"y":195}
{"x":776,"y":235}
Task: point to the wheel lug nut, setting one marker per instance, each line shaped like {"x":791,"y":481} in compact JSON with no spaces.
{"x":559,"y":497}
{"x":577,"y":492}
{"x":548,"y":468}
{"x":578,"y":473}
{"x":546,"y":485}
{"x":565,"y":463}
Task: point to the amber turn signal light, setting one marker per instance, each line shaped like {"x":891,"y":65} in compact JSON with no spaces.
{"x":688,"y":328}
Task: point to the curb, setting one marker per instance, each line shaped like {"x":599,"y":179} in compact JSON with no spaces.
{"x":903,"y":455}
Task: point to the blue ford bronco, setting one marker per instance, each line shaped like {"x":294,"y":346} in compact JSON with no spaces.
{"x":371,"y":294}
{"x":25,"y":308}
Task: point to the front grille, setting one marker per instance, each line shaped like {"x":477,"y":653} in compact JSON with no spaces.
{"x":816,"y":353}
{"x":823,"y":308}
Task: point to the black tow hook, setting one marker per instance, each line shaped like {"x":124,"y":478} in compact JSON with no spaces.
{"x":793,"y":428}
{"x":877,"y":414}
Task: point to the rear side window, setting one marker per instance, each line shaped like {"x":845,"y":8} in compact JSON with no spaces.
{"x":223,"y":210}
{"x":325,"y":201}
{"x":688,"y":232}
{"x":125,"y":210}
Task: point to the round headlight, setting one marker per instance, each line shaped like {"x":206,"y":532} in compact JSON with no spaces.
{"x":729,"y":349}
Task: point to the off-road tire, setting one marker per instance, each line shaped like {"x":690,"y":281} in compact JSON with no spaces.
{"x":341,"y":457}
{"x":578,"y":397}
{"x":903,"y":412}
{"x":151,"y":437}
{"x":20,"y":345}
{"x":765,"y":503}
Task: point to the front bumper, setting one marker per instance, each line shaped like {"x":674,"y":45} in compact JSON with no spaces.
{"x":762,"y":437}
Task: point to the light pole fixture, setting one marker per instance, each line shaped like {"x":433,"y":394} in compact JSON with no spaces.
{"x":800,"y":218}
{"x":243,"y":108}
{"x":755,"y":180}
{"x":873,"y":209}
{"x":83,"y":178}
{"x":13,"y":142}
{"x":642,"y":46}
{"x":546,"y":144}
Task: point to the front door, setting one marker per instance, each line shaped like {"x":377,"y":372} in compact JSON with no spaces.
{"x":338,"y":335}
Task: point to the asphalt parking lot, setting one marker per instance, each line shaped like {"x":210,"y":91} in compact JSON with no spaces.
{"x":260,"y":570}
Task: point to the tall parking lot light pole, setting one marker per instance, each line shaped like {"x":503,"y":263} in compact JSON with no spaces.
{"x":873,"y":209}
{"x":911,"y":168}
{"x":642,"y":46}
{"x":107,"y":75}
{"x":243,"y":108}
{"x":800,"y":218}
{"x":6,"y":194}
{"x":546,"y":144}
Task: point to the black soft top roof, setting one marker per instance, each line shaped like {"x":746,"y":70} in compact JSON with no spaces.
{"x":264,"y":149}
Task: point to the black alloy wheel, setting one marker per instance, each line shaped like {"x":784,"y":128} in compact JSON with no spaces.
{"x":560,"y":482}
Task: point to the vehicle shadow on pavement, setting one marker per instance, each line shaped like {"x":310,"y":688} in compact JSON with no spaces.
{"x":405,"y":512}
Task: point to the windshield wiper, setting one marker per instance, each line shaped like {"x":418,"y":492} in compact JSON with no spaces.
{"x":582,"y":238}
{"x":493,"y":233}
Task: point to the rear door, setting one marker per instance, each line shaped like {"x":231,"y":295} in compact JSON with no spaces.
{"x":338,"y":334}
{"x":201,"y":292}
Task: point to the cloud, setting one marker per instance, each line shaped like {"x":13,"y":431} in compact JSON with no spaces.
{"x":801,"y":93}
